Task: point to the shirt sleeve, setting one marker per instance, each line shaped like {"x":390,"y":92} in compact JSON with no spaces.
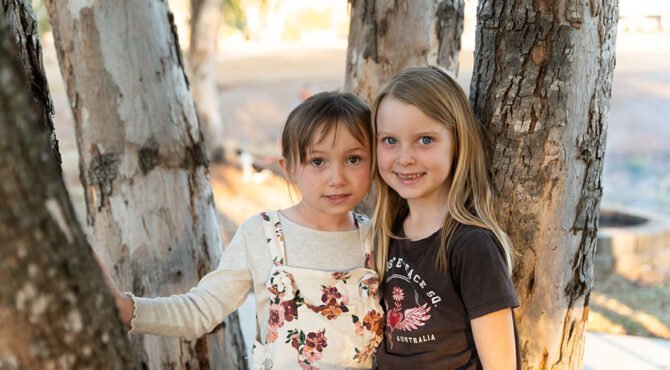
{"x":480,"y":272}
{"x":199,"y":311}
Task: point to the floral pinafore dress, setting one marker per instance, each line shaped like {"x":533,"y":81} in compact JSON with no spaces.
{"x":319,"y":319}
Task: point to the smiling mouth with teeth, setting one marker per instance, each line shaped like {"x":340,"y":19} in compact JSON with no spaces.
{"x":410,"y":176}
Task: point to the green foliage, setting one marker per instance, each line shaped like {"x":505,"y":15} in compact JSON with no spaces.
{"x":233,"y":16}
{"x":40,"y":10}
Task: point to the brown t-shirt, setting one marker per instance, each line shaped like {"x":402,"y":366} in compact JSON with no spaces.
{"x":428,"y":313}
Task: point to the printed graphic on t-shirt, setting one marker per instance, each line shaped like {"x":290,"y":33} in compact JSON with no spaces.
{"x":409,"y":306}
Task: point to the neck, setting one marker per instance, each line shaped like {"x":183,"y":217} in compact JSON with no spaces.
{"x":313,"y":219}
{"x":426,"y":215}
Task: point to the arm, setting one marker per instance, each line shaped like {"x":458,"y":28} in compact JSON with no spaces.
{"x":494,"y":339}
{"x":198,"y":311}
{"x":124,"y":303}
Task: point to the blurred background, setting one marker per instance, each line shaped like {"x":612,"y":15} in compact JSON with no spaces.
{"x":273,"y":54}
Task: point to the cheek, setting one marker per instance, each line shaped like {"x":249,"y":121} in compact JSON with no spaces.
{"x":384,"y":159}
{"x":362,"y":176}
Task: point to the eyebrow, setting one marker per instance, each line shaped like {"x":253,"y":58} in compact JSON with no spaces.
{"x":356,"y":149}
{"x":417,"y":134}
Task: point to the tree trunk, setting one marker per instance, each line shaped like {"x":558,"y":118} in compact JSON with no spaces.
{"x":142,"y":162}
{"x":387,"y":36}
{"x":23,"y":27}
{"x":55,"y":310}
{"x":541,"y":87}
{"x":205,"y":22}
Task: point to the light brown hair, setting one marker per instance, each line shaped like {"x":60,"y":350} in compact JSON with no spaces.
{"x":316,"y":117}
{"x":470,"y":201}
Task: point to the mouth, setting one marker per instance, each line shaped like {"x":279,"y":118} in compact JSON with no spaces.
{"x":337,"y":198}
{"x":409,"y":178}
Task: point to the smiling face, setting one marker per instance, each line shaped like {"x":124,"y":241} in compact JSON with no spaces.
{"x":335,"y":175}
{"x":414,"y":152}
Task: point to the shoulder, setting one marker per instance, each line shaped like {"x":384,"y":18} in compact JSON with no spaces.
{"x":469,"y":239}
{"x":253,"y":227}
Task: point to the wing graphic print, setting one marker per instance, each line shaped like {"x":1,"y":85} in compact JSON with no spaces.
{"x":415,"y":317}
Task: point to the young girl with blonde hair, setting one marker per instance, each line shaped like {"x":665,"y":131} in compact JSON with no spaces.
{"x":444,"y":260}
{"x":310,"y":265}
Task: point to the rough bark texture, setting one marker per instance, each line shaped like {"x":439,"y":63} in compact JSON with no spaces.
{"x":205,"y":21}
{"x":142,"y":162}
{"x":55,"y":312}
{"x":23,"y":28}
{"x":541,"y":89}
{"x":387,"y":36}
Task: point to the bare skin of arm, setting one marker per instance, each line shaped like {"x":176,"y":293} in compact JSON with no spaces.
{"x":124,"y":303}
{"x":494,"y":339}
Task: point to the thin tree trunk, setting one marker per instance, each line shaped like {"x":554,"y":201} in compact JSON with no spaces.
{"x":55,"y":310}
{"x":541,"y":88}
{"x":142,"y":161}
{"x":387,"y":36}
{"x":205,"y":22}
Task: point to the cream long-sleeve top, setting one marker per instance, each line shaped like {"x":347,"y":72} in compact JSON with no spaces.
{"x":245,"y":265}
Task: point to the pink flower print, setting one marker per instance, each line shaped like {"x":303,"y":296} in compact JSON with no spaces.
{"x":359,"y":328}
{"x":314,"y":345}
{"x":277,"y":314}
{"x":398,"y":294}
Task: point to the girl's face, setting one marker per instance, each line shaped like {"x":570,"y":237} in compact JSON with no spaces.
{"x":414,"y":152}
{"x":336,"y":175}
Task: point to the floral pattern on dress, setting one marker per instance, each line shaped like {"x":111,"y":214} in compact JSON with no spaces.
{"x":369,"y":285}
{"x":369,"y":261}
{"x":335,"y":303}
{"x":310,"y":347}
{"x":342,"y":276}
{"x":374,"y":323}
{"x":284,"y":302}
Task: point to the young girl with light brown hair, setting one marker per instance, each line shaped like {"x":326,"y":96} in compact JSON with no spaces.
{"x":444,"y":260}
{"x":310,"y":265}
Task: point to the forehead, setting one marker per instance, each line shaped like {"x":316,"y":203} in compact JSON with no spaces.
{"x":396,"y":116}
{"x":337,"y":137}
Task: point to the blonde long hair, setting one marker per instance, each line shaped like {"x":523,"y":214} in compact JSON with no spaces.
{"x":470,"y":201}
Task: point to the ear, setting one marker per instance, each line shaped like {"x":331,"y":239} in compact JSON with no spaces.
{"x":284,"y":169}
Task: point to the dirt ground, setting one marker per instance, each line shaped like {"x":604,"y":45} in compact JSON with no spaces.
{"x":258,"y":89}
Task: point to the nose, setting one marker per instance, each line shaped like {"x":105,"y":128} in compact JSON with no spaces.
{"x":336,"y":177}
{"x":405,"y":156}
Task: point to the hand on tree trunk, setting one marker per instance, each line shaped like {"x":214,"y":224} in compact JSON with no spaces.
{"x":124,"y":303}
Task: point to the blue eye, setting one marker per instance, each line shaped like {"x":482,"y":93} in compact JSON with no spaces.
{"x":389,"y":140}
{"x":426,"y":140}
{"x":317,"y":162}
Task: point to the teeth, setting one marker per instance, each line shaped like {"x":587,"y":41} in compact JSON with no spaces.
{"x":336,"y":196}
{"x":410,"y":177}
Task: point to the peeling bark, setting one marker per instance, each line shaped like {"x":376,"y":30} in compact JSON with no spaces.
{"x":541,"y":89}
{"x":142,"y":162}
{"x":387,"y":36}
{"x":55,"y":310}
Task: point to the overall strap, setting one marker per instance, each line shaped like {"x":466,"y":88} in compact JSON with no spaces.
{"x":365,"y":232}
{"x":274,"y":236}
